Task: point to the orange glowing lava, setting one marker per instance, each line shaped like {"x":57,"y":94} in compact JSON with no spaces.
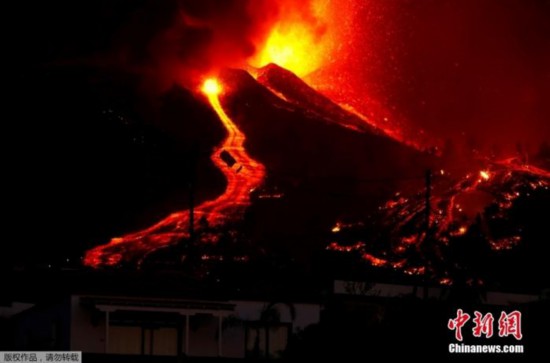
{"x":484,"y":174}
{"x":309,"y":41}
{"x":242,"y":176}
{"x":211,"y":87}
{"x":302,"y":40}
{"x":449,"y":220}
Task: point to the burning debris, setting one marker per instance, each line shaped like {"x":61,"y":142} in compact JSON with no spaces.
{"x":418,"y":238}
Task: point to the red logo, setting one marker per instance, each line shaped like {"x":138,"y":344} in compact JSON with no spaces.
{"x":457,"y":323}
{"x":508,"y":324}
{"x":484,"y":325}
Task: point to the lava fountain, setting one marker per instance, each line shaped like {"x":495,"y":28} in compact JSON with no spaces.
{"x":303,"y":39}
{"x":309,"y":41}
{"x":243,"y":175}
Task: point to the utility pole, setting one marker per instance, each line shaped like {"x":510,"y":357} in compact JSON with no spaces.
{"x":191,"y":185}
{"x":428,"y":176}
{"x":427,"y":238}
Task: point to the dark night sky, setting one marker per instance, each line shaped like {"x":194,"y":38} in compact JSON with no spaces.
{"x":473,"y":70}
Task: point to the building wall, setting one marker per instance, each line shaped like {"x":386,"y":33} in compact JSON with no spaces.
{"x":87,"y":329}
{"x":125,"y":340}
{"x":421,"y":292}
{"x":233,"y":342}
{"x":165,"y":341}
{"x":203,"y":336}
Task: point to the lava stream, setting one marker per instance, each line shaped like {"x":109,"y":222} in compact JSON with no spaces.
{"x":243,"y":174}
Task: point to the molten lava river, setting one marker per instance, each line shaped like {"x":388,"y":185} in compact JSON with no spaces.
{"x":243,"y":174}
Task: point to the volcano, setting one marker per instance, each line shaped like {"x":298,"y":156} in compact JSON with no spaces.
{"x":294,"y":162}
{"x":187,"y":134}
{"x":294,"y":138}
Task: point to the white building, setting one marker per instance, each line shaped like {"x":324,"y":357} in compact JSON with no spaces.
{"x":164,"y":327}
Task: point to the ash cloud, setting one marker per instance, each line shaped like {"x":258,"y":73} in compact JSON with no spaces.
{"x":161,"y":41}
{"x":182,"y":41}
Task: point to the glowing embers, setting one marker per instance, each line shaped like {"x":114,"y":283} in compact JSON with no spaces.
{"x":474,"y":216}
{"x":314,"y":40}
{"x":391,"y":130}
{"x":360,"y":249}
{"x":460,"y":231}
{"x":295,"y":91}
{"x":506,"y":243}
{"x":339,"y":226}
{"x":334,"y":246}
{"x":243,"y":175}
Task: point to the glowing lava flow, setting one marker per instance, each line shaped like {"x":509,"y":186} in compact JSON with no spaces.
{"x":473,"y":208}
{"x":243,"y":174}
